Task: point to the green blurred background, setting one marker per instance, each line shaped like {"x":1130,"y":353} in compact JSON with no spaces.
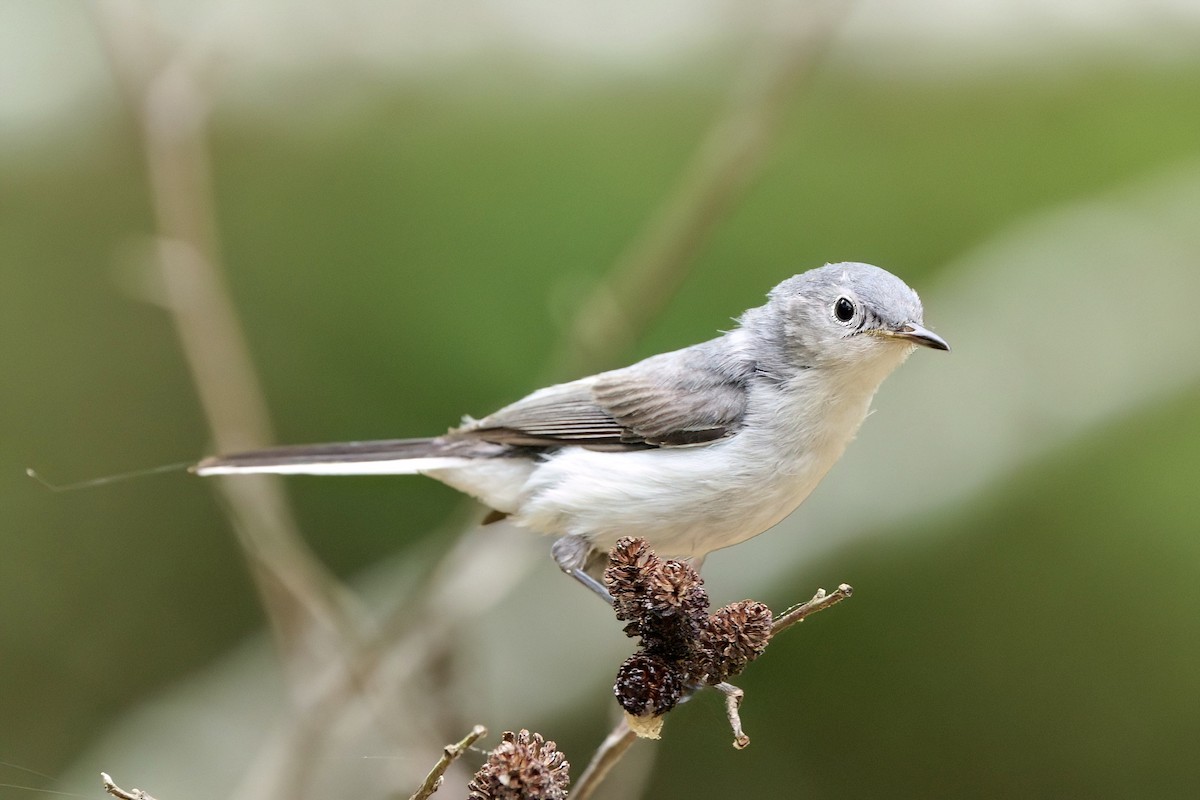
{"x":413,"y":200}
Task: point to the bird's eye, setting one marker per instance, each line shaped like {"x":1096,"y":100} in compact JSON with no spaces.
{"x":843,"y":309}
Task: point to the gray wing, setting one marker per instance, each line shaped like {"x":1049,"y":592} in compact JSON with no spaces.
{"x":687,"y":397}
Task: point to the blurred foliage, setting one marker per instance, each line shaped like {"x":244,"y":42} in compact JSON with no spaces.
{"x":413,"y":256}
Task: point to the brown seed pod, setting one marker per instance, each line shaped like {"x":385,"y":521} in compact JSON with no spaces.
{"x":648,"y":685}
{"x":523,"y":766}
{"x":732,"y":637}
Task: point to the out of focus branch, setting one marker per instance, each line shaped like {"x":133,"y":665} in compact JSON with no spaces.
{"x":610,"y":751}
{"x":728,"y":159}
{"x":305,"y":604}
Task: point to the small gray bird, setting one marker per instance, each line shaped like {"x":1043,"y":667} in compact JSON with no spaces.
{"x":694,"y":450}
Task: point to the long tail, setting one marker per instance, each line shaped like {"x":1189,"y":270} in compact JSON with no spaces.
{"x":384,"y":457}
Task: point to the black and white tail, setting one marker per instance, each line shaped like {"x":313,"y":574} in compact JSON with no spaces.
{"x":383,"y":457}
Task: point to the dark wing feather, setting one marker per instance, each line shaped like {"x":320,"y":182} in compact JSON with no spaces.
{"x":689,"y":410}
{"x":691,"y":396}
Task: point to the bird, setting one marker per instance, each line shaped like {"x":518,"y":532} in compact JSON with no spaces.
{"x":693,"y":450}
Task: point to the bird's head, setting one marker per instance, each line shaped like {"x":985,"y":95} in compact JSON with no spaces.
{"x":845,"y":315}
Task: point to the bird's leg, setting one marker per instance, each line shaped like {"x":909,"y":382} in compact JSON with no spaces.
{"x":572,"y":554}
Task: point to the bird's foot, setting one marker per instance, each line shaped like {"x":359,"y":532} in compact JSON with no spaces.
{"x":572,"y":554}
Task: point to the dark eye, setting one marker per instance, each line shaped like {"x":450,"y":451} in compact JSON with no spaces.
{"x":843,"y":309}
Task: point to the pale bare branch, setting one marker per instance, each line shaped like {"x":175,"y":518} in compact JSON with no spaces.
{"x":117,"y":791}
{"x":307,"y":607}
{"x":449,"y":754}
{"x":651,"y":270}
{"x":819,"y":602}
{"x":733,"y":702}
{"x":610,"y":751}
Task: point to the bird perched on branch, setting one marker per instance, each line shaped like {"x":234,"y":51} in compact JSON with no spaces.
{"x":693,"y":450}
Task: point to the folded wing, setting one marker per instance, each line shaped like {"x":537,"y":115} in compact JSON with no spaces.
{"x":688,"y":397}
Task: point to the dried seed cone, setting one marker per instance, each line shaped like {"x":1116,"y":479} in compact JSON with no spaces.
{"x":523,"y":766}
{"x":674,"y":611}
{"x":664,"y":602}
{"x":733,"y":637}
{"x":674,"y":587}
{"x":628,"y":564}
{"x":648,"y":685}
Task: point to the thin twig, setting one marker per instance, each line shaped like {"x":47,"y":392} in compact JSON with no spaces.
{"x":117,"y":791}
{"x":733,"y":702}
{"x":734,"y":696}
{"x":651,"y":270}
{"x":305,"y":604}
{"x":819,"y":602}
{"x":450,"y":752}
{"x":388,"y":662}
{"x":610,"y":751}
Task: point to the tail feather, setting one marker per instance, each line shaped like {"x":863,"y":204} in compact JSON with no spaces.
{"x":383,"y":457}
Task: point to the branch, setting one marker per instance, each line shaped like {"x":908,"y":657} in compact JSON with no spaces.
{"x":733,"y":702}
{"x":605,"y":758}
{"x":682,"y":647}
{"x":305,"y":604}
{"x":819,"y":602}
{"x":622,"y":737}
{"x":433,"y":780}
{"x":726,"y":162}
{"x":117,"y":791}
{"x":733,"y":695}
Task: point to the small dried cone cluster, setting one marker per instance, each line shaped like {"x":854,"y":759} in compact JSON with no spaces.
{"x":733,"y":637}
{"x":662,"y":602}
{"x":665,"y":605}
{"x":523,"y":766}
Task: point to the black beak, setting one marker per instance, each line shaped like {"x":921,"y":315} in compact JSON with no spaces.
{"x":917,"y":334}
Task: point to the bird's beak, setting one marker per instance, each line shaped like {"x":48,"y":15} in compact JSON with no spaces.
{"x":912,"y":332}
